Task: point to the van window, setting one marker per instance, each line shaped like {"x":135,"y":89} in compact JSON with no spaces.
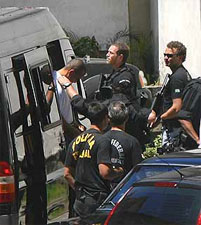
{"x":19,"y":95}
{"x":17,"y":84}
{"x":55,"y":53}
{"x":47,"y":104}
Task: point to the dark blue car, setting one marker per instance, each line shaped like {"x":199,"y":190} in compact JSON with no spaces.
{"x":147,"y":168}
{"x":171,"y":198}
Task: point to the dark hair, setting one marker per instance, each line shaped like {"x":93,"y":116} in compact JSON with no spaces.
{"x":46,"y":75}
{"x":78,"y":66}
{"x":96,"y":112}
{"x":181,"y":49}
{"x":117,"y":112}
{"x":122,"y":49}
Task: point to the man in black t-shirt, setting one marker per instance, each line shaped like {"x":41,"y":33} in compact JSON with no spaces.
{"x":125,"y":149}
{"x":91,"y":165}
{"x":174,"y":56}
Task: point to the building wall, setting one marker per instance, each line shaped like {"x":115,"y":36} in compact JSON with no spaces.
{"x":102,"y":19}
{"x":180,"y":20}
{"x":155,"y":33}
{"x":166,"y":19}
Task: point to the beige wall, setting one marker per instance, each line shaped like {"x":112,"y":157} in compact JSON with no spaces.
{"x":139,"y":16}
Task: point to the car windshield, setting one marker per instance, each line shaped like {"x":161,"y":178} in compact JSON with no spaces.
{"x":140,"y":172}
{"x":151,"y":205}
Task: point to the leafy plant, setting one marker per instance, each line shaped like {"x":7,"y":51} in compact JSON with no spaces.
{"x":142,"y":54}
{"x":122,"y":34}
{"x":151,"y":148}
{"x":83,"y":46}
{"x":86,"y":46}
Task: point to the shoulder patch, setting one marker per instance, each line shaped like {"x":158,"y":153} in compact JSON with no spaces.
{"x":124,"y":81}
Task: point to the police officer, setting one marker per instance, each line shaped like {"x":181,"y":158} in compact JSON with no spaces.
{"x":174,"y":56}
{"x":125,"y":149}
{"x":122,"y":79}
{"x":92,"y":164}
{"x":124,"y":83}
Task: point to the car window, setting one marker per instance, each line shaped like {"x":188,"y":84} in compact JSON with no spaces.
{"x":152,"y":205}
{"x":97,"y":68}
{"x":140,"y":173}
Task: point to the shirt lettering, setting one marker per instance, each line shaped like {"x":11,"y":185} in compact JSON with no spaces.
{"x":89,"y":138}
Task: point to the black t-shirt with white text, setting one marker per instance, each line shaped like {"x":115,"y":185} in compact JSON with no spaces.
{"x":125,"y":150}
{"x":84,"y":155}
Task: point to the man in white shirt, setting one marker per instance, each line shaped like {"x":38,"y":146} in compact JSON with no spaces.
{"x":73,"y":71}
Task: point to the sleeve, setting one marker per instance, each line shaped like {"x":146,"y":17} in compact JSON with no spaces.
{"x":70,"y":160}
{"x":136,"y":152}
{"x":127,"y":83}
{"x":184,"y":115}
{"x":79,"y":104}
{"x":103,"y":151}
{"x":177,"y":85}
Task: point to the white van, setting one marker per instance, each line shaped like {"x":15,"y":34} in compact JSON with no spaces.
{"x":32,"y":187}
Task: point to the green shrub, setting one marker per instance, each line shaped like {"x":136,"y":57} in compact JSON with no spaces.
{"x":86,"y":46}
{"x":151,"y":148}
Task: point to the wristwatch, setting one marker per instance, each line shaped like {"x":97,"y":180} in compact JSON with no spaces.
{"x":66,"y":85}
{"x":51,"y":88}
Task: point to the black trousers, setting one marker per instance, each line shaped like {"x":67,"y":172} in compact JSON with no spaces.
{"x":86,"y":202}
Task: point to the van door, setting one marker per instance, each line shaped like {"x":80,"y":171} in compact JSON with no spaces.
{"x":40,"y":72}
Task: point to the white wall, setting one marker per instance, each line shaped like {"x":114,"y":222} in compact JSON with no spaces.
{"x":103,"y":19}
{"x":154,"y":28}
{"x":180,"y":20}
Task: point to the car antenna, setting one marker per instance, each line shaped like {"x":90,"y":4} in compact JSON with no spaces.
{"x":174,"y":168}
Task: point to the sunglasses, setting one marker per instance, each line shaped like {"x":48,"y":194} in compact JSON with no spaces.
{"x":169,"y":55}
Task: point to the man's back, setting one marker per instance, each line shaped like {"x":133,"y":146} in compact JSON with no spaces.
{"x":84,"y":153}
{"x":125,"y":149}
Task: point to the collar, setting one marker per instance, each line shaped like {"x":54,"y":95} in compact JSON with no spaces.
{"x":119,"y":68}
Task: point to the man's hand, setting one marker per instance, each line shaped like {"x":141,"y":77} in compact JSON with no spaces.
{"x":63,"y":80}
{"x":152,"y":118}
{"x":109,"y":173}
{"x":70,"y":90}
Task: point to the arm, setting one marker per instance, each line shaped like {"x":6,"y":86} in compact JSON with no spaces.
{"x":188,"y":127}
{"x":50,"y":94}
{"x":173,"y":110}
{"x":70,"y":90}
{"x":70,"y":165}
{"x":109,"y":173}
{"x":77,"y":101}
{"x":68,"y":171}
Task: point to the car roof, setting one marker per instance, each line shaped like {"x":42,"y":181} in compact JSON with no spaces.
{"x":191,"y":174}
{"x":189,"y":157}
